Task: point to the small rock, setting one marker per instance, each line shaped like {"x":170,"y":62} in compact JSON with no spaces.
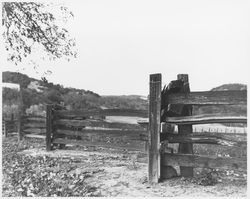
{"x":20,"y":190}
{"x":71,"y":186}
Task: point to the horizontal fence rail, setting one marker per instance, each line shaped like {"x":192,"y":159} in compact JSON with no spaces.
{"x":206,"y":119}
{"x":95,"y":123}
{"x":129,"y":134}
{"x":202,"y":139}
{"x":210,"y":98}
{"x":105,"y":112}
{"x":198,"y":161}
{"x":34,"y":119}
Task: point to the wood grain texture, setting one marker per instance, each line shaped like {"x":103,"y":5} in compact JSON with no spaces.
{"x":202,"y":139}
{"x":105,"y":112}
{"x":35,"y":130}
{"x":207,"y":119}
{"x":185,"y":129}
{"x":34,"y":125}
{"x":49,"y":127}
{"x":20,"y":113}
{"x":97,"y":123}
{"x":34,"y":119}
{"x":210,"y":98}
{"x":154,"y":128}
{"x":204,"y":161}
{"x":126,"y":134}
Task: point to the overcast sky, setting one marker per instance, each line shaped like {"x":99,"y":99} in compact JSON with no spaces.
{"x":121,"y":42}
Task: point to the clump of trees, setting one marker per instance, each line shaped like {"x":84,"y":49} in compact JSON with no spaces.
{"x":31,"y":24}
{"x":72,"y":98}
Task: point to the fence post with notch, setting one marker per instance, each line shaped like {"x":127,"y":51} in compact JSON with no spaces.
{"x":185,"y":148}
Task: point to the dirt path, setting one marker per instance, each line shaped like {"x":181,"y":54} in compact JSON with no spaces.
{"x":122,"y":175}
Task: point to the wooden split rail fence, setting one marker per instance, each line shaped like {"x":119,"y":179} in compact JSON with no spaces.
{"x":173,"y":106}
{"x":25,"y":126}
{"x":85,"y":129}
{"x":33,"y":126}
{"x":9,"y":126}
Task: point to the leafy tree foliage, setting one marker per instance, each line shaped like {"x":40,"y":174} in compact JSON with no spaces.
{"x":53,"y":96}
{"x":17,"y":78}
{"x":78,"y":101}
{"x":29,"y":23}
{"x":10,"y":96}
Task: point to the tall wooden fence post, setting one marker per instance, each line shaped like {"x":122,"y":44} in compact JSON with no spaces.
{"x":154,"y":128}
{"x":19,"y":116}
{"x":49,"y":120}
{"x":4,"y":128}
{"x":185,"y":148}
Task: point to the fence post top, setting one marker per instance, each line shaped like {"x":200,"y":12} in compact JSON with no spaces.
{"x":183,"y":77}
{"x":155,"y":77}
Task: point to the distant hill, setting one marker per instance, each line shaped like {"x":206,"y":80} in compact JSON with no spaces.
{"x":28,"y":82}
{"x":17,"y":78}
{"x":125,"y":101}
{"x":226,"y":87}
{"x":37,"y":92}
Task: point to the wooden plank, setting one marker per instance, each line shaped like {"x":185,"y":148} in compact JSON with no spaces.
{"x":34,"y":116}
{"x":210,"y":98}
{"x":129,"y":135}
{"x":20,"y":113}
{"x":207,"y":119}
{"x":184,"y":129}
{"x":49,"y":121}
{"x":96,"y":123}
{"x":9,"y":120}
{"x":131,"y":146}
{"x":204,"y":161}
{"x":34,"y":125}
{"x":154,"y":128}
{"x":35,"y":136}
{"x":35,"y":119}
{"x":201,"y":139}
{"x":105,"y":112}
{"x":35,"y":130}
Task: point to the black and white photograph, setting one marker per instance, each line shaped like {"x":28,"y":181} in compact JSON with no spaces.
{"x":124,"y":98}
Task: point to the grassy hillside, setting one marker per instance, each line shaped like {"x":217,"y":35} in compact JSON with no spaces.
{"x":231,"y":87}
{"x":37,"y":92}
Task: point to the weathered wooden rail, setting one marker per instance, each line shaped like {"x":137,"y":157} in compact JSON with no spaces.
{"x":82,"y":128}
{"x":173,"y":106}
{"x":33,"y":126}
{"x":9,"y":126}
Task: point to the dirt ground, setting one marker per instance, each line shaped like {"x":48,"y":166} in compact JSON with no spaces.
{"x":111,"y":173}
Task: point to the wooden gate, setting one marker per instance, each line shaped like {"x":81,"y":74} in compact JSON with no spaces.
{"x":173,"y":106}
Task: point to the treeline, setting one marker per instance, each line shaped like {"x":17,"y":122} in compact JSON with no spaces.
{"x":72,"y":98}
{"x":80,"y":99}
